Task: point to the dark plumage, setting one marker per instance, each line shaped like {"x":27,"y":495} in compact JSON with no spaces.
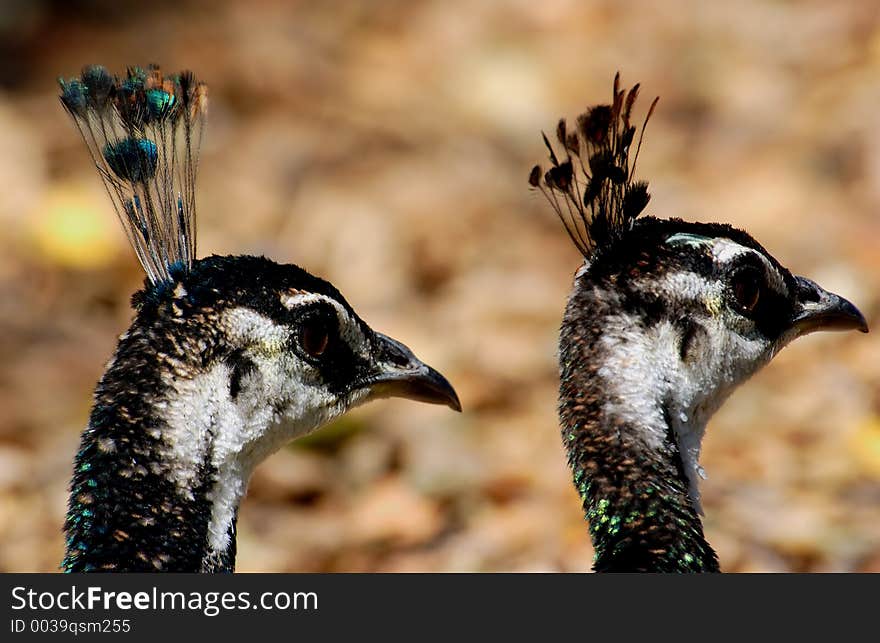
{"x":665,"y":319}
{"x":227,"y":359}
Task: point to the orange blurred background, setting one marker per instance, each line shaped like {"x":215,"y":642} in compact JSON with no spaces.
{"x":385,"y":146}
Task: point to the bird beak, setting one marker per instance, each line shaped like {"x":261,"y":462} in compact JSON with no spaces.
{"x":399,"y":373}
{"x":818,"y":309}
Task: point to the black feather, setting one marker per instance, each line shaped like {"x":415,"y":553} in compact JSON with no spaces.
{"x":593,"y":192}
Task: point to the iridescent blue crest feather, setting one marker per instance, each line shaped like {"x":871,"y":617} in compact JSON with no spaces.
{"x":144,"y":131}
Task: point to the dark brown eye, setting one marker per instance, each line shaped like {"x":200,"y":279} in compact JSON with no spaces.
{"x":314,"y":336}
{"x":747,"y":290}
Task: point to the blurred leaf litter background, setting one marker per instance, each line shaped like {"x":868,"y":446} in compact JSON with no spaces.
{"x":385,"y":146}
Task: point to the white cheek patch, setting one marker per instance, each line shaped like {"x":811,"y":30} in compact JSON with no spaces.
{"x":280,"y":400}
{"x":723,"y":361}
{"x":205,"y":423}
{"x":636,"y":360}
{"x":198,"y":414}
{"x":245,"y":326}
{"x":687,"y":289}
{"x":686,"y":286}
{"x":652,"y":388}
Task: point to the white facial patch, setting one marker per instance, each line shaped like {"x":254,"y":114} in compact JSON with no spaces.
{"x":244,"y":327}
{"x":652,"y":387}
{"x":635,"y":361}
{"x":684,"y":287}
{"x":279,"y":400}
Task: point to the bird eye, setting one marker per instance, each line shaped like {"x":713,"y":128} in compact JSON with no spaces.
{"x":747,"y":290}
{"x":314,"y":336}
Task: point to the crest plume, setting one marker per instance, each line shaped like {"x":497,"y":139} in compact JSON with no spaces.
{"x":590,"y":184}
{"x":144,"y":131}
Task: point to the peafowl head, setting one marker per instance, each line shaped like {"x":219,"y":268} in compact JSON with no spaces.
{"x":227,"y":358}
{"x":260,"y":353}
{"x":666,"y":317}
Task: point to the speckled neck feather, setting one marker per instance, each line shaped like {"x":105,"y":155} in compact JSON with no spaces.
{"x":634,"y":496}
{"x":126,"y":513}
{"x":184,"y":413}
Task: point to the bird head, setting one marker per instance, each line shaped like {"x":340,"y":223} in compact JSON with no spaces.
{"x":227,"y":359}
{"x":666,"y":317}
{"x":733,"y":304}
{"x":287,"y":342}
{"x":280,"y":350}
{"x":681,"y":314}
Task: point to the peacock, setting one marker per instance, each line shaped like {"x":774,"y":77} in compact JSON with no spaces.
{"x":227,"y":359}
{"x":665,"y":319}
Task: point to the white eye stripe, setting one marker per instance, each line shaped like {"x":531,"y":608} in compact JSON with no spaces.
{"x":297,"y":298}
{"x":290,"y":299}
{"x":726,"y":250}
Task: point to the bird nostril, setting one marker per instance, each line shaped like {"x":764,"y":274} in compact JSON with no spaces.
{"x":392,"y":352}
{"x":397,"y":357}
{"x":806,"y":291}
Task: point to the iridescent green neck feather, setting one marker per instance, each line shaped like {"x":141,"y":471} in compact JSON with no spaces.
{"x":635,"y":498}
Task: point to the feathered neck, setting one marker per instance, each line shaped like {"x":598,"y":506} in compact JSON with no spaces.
{"x":130,"y":507}
{"x":143,"y":131}
{"x":624,"y":455}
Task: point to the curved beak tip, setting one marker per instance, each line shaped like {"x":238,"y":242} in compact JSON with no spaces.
{"x":863,"y":324}
{"x":402,"y":374}
{"x":424,"y":385}
{"x":428,"y":385}
{"x":823,"y":310}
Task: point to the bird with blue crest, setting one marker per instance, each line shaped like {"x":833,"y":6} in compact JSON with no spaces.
{"x":227,"y":359}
